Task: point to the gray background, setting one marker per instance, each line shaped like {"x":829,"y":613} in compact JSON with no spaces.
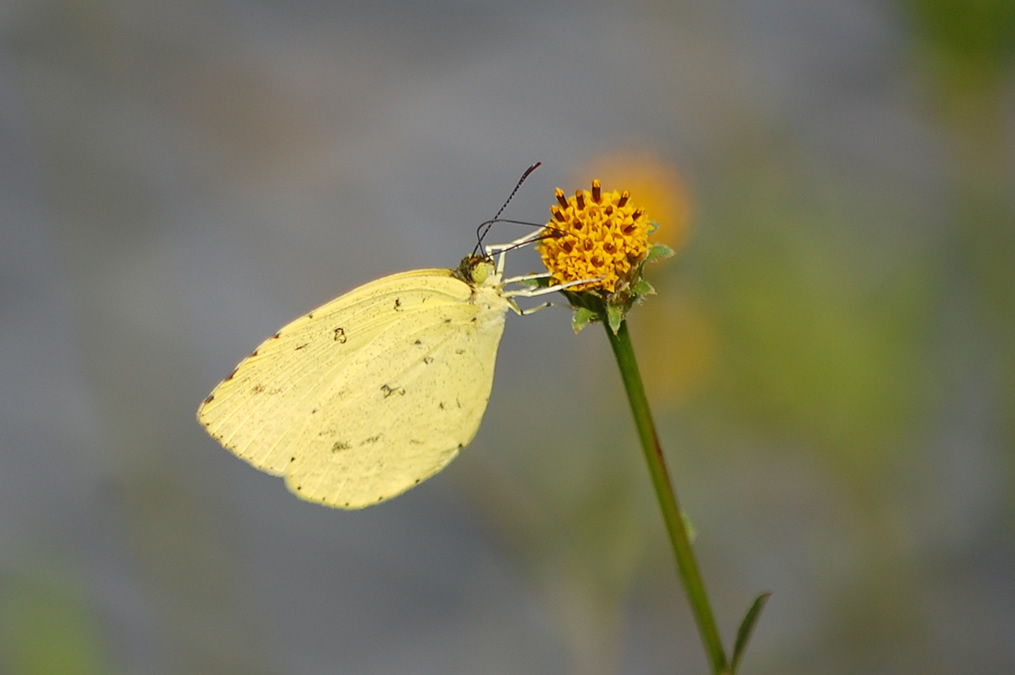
{"x":830,"y":354}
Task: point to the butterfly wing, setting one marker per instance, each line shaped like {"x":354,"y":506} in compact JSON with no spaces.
{"x":368,"y":395}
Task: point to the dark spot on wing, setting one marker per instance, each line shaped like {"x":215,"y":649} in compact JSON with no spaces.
{"x":252,"y":354}
{"x":340,"y":335}
{"x":340,"y":445}
{"x":275,"y":336}
{"x":418,"y":342}
{"x":373,"y":439}
{"x":398,"y":304}
{"x":257,"y":389}
{"x":231,"y":375}
{"x":428,"y":360}
{"x":459,"y":351}
{"x":389,"y":390}
{"x":302,"y":346}
{"x":448,"y":320}
{"x":209,"y":398}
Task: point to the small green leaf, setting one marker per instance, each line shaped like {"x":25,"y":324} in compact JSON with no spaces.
{"x":615,"y":316}
{"x":642,"y":287}
{"x":658,"y":252}
{"x":746,"y":628}
{"x":582,"y":317}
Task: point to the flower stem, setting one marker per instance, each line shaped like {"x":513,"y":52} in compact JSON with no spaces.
{"x":687,"y":566}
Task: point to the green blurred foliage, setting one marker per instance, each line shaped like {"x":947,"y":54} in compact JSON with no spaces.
{"x":46,"y":627}
{"x":966,"y":42}
{"x":811,"y":346}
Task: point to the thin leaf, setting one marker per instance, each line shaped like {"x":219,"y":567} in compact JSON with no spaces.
{"x":747,"y":627}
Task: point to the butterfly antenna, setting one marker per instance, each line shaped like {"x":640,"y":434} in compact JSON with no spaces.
{"x":480,"y":231}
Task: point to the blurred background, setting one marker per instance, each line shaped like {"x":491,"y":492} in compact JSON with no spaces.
{"x":831,"y":354}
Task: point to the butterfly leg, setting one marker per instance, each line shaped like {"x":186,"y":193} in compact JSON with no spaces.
{"x":492,"y":249}
{"x":533,"y":310}
{"x":533,"y":292}
{"x":526,"y":277}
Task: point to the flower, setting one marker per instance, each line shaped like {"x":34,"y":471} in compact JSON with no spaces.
{"x":598,"y":241}
{"x":600,"y":236}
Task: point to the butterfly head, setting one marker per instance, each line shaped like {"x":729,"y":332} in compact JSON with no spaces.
{"x":477,"y":270}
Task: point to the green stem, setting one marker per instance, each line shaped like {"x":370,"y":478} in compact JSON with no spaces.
{"x":687,"y":566}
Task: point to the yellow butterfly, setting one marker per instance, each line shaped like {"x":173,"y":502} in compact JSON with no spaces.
{"x":376,"y":391}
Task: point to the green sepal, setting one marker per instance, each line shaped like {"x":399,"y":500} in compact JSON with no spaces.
{"x":582,"y":317}
{"x":746,"y":628}
{"x":615,"y":317}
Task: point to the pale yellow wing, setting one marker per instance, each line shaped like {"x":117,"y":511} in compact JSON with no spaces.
{"x":368,"y":395}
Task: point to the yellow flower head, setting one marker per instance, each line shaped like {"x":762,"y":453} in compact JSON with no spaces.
{"x":595,"y":235}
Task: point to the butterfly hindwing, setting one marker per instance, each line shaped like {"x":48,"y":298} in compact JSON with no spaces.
{"x":369,"y":394}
